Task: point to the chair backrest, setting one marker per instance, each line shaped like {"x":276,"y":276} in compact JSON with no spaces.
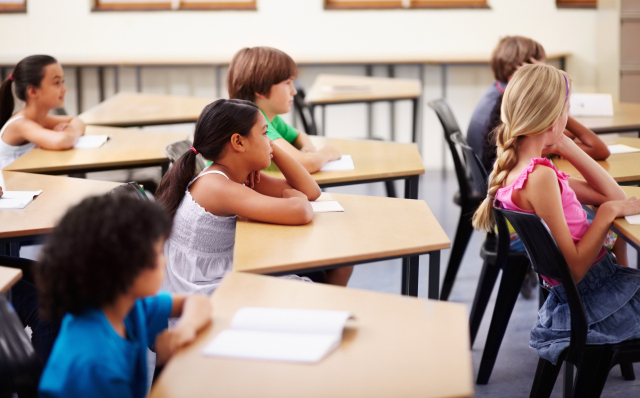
{"x":474,"y":170}
{"x":132,"y":189}
{"x":465,"y":165}
{"x":20,"y":367}
{"x":304,"y":111}
{"x":547,"y":259}
{"x":177,"y":149}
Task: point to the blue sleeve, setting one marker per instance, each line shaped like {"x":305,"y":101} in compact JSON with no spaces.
{"x":157,"y":311}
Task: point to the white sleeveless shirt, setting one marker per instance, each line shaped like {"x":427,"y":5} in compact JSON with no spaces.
{"x":199,"y":251}
{"x":9,"y":153}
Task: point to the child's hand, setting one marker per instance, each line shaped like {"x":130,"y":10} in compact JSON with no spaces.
{"x":61,"y":126}
{"x":333,"y":152}
{"x":252,"y":179}
{"x":170,"y":341}
{"x":292,"y":193}
{"x":309,"y":149}
{"x":622,"y":208}
{"x":560,"y":147}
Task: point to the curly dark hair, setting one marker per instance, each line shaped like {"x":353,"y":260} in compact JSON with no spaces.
{"x":96,"y":251}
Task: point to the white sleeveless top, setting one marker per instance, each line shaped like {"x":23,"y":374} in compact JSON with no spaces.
{"x":9,"y":153}
{"x":199,"y":252}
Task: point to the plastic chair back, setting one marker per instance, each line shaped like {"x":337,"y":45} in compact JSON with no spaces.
{"x":304,"y":111}
{"x":177,"y":149}
{"x":474,"y":170}
{"x":132,"y":189}
{"x":20,"y":367}
{"x":463,"y":172}
{"x":547,"y":259}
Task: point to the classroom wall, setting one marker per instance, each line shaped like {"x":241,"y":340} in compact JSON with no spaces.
{"x":69,"y":30}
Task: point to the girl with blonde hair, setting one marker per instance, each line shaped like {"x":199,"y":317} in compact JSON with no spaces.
{"x":534,"y":115}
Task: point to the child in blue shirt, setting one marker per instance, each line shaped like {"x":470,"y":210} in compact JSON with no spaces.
{"x":100,"y":271}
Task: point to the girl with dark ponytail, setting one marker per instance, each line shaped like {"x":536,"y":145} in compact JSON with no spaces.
{"x":232,"y":134}
{"x":37,"y":80}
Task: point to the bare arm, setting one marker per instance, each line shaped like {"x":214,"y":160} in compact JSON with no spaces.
{"x":590,"y":143}
{"x":311,"y":161}
{"x":304,"y":144}
{"x":28,"y":130}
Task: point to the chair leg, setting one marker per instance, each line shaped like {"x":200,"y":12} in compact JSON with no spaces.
{"x":391,"y":189}
{"x":627,"y":371}
{"x":512,"y":278}
{"x":593,"y":373}
{"x":460,"y":242}
{"x":486,"y":283}
{"x":545,"y":379}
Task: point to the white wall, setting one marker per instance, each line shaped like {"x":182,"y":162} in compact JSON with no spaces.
{"x":68,"y":30}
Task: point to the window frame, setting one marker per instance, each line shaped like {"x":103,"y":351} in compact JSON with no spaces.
{"x":13,"y":8}
{"x":246,"y":5}
{"x":398,"y":4}
{"x":577,"y":4}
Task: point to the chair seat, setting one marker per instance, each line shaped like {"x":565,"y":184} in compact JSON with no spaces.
{"x":476,"y":198}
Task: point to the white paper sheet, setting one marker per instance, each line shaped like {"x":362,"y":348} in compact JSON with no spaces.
{"x":591,"y":105}
{"x":344,"y":163}
{"x":619,"y":148}
{"x":340,"y":89}
{"x":324,"y":197}
{"x":633,"y":220}
{"x":280,"y":334}
{"x":91,"y":141}
{"x":17,"y":199}
{"x":326,"y":206}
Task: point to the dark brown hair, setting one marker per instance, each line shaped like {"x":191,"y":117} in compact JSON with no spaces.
{"x":217,"y":123}
{"x":28,"y":72}
{"x":254,"y":70}
{"x":96,"y":252}
{"x":511,"y":52}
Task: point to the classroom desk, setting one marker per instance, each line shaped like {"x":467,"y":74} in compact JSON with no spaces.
{"x":370,"y":229}
{"x":626,"y":118}
{"x":377,"y":89}
{"x":8,"y":278}
{"x":374,"y":161}
{"x":125,"y":149}
{"x":624,"y":168}
{"x":135,"y":109}
{"x":41,"y":215}
{"x":395,"y":347}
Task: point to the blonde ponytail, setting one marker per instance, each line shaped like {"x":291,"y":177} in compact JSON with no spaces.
{"x":533,"y":101}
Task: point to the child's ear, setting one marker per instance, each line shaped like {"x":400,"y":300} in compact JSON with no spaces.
{"x":32,"y":91}
{"x":238,"y":143}
{"x":260,"y":96}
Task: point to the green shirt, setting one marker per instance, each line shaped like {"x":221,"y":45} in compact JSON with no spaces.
{"x":278,"y":128}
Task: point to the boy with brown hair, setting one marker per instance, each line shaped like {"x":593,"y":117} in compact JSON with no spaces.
{"x":265,"y":76}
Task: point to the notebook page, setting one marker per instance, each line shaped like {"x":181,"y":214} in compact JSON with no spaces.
{"x":305,"y":348}
{"x":17,"y":199}
{"x":288,"y":320}
{"x":619,"y":148}
{"x":326,"y":206}
{"x":633,"y":220}
{"x":19,"y":194}
{"x":344,"y":163}
{"x":91,"y":141}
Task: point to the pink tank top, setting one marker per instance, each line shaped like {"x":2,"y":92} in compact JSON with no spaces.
{"x":574,"y":214}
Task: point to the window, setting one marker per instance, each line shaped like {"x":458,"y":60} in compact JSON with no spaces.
{"x":150,"y":5}
{"x":13,"y":5}
{"x":577,"y":3}
{"x":387,"y":4}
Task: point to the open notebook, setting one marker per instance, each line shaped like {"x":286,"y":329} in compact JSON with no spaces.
{"x":17,"y":199}
{"x":280,"y":334}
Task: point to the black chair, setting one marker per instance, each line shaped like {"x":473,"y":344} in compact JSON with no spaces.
{"x":177,"y":149}
{"x":132,"y":189}
{"x":593,"y":362}
{"x":514,"y":266}
{"x":468,"y":197}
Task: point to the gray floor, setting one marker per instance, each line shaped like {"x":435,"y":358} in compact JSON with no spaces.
{"x":515,"y":367}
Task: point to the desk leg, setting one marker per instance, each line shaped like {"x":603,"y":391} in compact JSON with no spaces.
{"x":369,"y":72}
{"x":410,"y":269}
{"x":392,"y":111}
{"x":101,"y":83}
{"x":434,"y":275}
{"x":414,"y":134}
{"x":411,"y":187}
{"x":10,"y":249}
{"x":79,"y":89}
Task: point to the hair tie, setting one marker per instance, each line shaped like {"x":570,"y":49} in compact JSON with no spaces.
{"x":11,"y":76}
{"x":567,"y":82}
{"x":194,"y":150}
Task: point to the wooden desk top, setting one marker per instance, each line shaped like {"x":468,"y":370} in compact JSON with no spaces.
{"x":8,"y":278}
{"x":380,"y":88}
{"x":395,"y":347}
{"x":626,"y":117}
{"x":631,"y":232}
{"x":372,"y":160}
{"x":125,"y":148}
{"x":41,"y":215}
{"x":624,"y":167}
{"x":134,"y":109}
{"x":370,"y":228}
